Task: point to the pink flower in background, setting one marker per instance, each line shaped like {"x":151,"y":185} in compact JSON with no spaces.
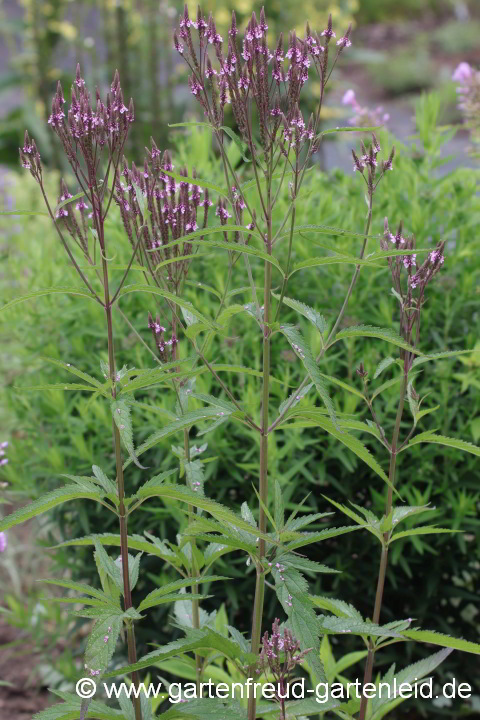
{"x":462,"y":72}
{"x":3,"y":447}
{"x":349,"y":98}
{"x":3,"y":541}
{"x":364,"y":116}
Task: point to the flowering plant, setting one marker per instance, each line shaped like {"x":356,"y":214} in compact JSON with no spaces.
{"x":468,"y":90}
{"x":167,"y":220}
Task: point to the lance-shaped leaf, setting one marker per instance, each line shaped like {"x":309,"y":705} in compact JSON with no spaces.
{"x":181,"y":423}
{"x":194,"y":640}
{"x":316,"y":318}
{"x":442,"y":355}
{"x":46,"y":502}
{"x":309,"y":538}
{"x":376,"y":332}
{"x":122,"y":418}
{"x":331,"y":260}
{"x":101,"y":643}
{"x":431,"y":437}
{"x":135,"y":542}
{"x":436,"y":638}
{"x":58,"y":386}
{"x":197,"y":181}
{"x":304,"y":353}
{"x":185,"y":495}
{"x":146,"y":378}
{"x":383,"y":702}
{"x":351,"y":442}
{"x":108,"y":566}
{"x":69,"y":709}
{"x":159,"y":595}
{"x":401,"y":512}
{"x":427,"y":530}
{"x":383,"y":365}
{"x":340,"y":608}
{"x":298,"y":708}
{"x":353,"y":626}
{"x":48,"y":291}
{"x":80,"y":588}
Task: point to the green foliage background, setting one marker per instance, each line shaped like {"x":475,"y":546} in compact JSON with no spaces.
{"x":53,"y":432}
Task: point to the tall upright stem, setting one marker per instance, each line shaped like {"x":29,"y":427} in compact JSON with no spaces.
{"x":382,"y":571}
{"x":263,"y":478}
{"x":132,"y":651}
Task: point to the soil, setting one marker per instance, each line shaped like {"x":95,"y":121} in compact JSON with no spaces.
{"x":24,"y":696}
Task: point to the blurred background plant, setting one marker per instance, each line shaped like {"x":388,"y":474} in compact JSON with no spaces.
{"x":398,"y":50}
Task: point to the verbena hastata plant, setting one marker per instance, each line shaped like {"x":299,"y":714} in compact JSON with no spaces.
{"x":166,"y":219}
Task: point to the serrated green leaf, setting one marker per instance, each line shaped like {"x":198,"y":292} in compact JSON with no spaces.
{"x":108,"y":566}
{"x":121,"y":416}
{"x":353,"y":626}
{"x":229,"y":246}
{"x":70,"y":710}
{"x":185,"y":421}
{"x":196,"y":181}
{"x":431,"y":437}
{"x":135,"y":542}
{"x":242,"y":146}
{"x":340,"y":608}
{"x":80,"y":588}
{"x":46,"y":502}
{"x":297,"y":523}
{"x":376,"y":332}
{"x":308,"y":538}
{"x":331,"y":260}
{"x":195,"y":639}
{"x":349,"y":441}
{"x":108,"y":485}
{"x":403,"y":511}
{"x":183,"y":494}
{"x":279,"y":506}
{"x":304,"y":353}
{"x":57,"y":386}
{"x":427,"y":530}
{"x":311,"y":314}
{"x":101,"y":643}
{"x":381,"y":703}
{"x":168,"y":590}
{"x":24,"y":212}
{"x":195,"y":476}
{"x":383,"y":365}
{"x":442,"y":355}
{"x":434,"y":638}
{"x":48,"y":291}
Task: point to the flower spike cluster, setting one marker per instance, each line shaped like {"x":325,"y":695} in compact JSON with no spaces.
{"x":88,"y":128}
{"x":368,"y":160}
{"x":93,"y":139}
{"x":280,"y":654}
{"x":418,"y":276}
{"x":241,"y":71}
{"x":156,"y":209}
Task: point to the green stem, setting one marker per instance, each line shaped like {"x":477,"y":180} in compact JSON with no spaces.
{"x":132,"y":651}
{"x":194,"y":574}
{"x":339,"y":319}
{"x":382,"y":571}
